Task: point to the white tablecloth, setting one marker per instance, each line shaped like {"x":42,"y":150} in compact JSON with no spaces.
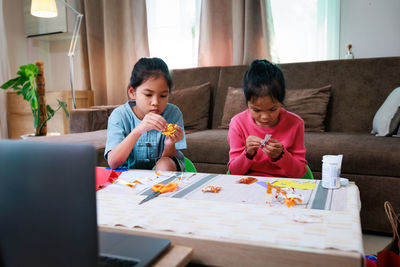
{"x":117,"y":205}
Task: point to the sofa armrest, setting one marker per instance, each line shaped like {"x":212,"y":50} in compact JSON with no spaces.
{"x":89,"y":119}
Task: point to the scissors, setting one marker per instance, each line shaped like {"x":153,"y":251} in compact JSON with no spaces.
{"x":160,"y":189}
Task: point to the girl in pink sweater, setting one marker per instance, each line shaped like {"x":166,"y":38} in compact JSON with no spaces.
{"x":284,"y":154}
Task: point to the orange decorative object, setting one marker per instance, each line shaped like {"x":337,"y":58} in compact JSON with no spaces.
{"x":138,"y":182}
{"x":170,"y":129}
{"x":247,"y":180}
{"x":271,"y":186}
{"x":162,"y":188}
{"x":282,"y":196}
{"x":212,"y":189}
{"x":291,"y":201}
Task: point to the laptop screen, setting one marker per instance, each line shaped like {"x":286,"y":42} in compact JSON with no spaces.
{"x":47,"y":204}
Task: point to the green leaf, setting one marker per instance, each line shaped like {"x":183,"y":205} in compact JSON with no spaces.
{"x":35,"y":113}
{"x":34,"y":102}
{"x":21,"y":81}
{"x":63,"y":105}
{"x":9,"y":83}
{"x":50,"y":111}
{"x":26,"y":92}
{"x":28,"y":71}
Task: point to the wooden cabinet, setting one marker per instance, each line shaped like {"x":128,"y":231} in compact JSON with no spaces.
{"x":20,"y":119}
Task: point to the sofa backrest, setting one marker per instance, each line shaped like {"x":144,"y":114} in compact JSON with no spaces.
{"x":359,"y":87}
{"x":184,"y":78}
{"x":229,"y":76}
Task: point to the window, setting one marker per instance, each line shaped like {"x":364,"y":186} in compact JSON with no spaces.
{"x":306,"y":30}
{"x":173,"y":28}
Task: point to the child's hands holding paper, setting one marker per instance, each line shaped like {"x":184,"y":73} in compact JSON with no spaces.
{"x":176,"y":137}
{"x":151,"y":121}
{"x":252,"y":145}
{"x":273,"y":148}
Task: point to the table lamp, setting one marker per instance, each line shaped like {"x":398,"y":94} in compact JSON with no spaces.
{"x":48,"y":9}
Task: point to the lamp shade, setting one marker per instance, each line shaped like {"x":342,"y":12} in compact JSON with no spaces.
{"x":44,"y":8}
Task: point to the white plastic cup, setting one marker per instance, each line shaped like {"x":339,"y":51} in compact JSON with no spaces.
{"x":330,"y":171}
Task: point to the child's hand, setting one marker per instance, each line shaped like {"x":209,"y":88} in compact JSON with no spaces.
{"x":151,"y":121}
{"x":273,"y":148}
{"x":252,"y":145}
{"x":178,"y":135}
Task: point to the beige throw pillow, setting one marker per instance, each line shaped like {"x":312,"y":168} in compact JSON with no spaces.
{"x":194,"y":103}
{"x":311,"y":105}
{"x":235,"y":103}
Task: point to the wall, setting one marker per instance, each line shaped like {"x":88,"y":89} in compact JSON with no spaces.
{"x":371,"y":26}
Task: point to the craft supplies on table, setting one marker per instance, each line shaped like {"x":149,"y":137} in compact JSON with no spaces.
{"x":325,"y":219}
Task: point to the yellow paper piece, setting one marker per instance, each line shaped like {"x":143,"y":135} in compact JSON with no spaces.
{"x":286,"y":183}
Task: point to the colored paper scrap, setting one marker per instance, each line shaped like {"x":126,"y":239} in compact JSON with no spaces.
{"x":105,"y":177}
{"x":287,"y":183}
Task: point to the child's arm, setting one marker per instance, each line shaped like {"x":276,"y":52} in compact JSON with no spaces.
{"x":118,"y":155}
{"x":239,"y":160}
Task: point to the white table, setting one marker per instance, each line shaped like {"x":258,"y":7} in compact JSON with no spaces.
{"x":236,"y":227}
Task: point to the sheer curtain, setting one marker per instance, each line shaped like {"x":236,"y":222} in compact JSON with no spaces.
{"x":4,"y":75}
{"x":114,"y":37}
{"x":329,"y":29}
{"x":173,"y":28}
{"x":306,"y":30}
{"x":234,"y":32}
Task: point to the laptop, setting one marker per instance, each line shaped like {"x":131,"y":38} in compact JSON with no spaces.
{"x":48,"y":210}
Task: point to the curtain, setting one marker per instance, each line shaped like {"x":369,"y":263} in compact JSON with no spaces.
{"x":4,"y":75}
{"x":234,"y":32}
{"x":114,"y":37}
{"x":328,"y":16}
{"x":306,"y":30}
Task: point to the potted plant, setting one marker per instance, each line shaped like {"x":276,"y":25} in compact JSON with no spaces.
{"x":30,"y":84}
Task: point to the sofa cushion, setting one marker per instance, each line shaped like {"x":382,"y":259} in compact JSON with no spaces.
{"x":387,"y":118}
{"x":311,"y":105}
{"x":194,"y":103}
{"x":235,"y":103}
{"x":208,"y":146}
{"x":363,"y":154}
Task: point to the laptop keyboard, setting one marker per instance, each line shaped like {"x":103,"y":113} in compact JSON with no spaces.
{"x":106,"y":261}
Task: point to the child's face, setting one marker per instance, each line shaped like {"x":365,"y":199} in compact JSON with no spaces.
{"x":265,"y":111}
{"x":150,"y":96}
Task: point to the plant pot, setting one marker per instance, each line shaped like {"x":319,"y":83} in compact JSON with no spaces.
{"x":32,"y":135}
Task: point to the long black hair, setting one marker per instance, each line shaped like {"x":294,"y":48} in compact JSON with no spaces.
{"x":147,"y":68}
{"x":264,"y":78}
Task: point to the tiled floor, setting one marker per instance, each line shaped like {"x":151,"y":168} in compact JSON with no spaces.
{"x":375,"y":243}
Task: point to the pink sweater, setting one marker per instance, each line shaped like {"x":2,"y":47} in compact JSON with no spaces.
{"x":289,"y":132}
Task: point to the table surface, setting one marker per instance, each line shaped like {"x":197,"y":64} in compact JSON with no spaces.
{"x":241,"y":224}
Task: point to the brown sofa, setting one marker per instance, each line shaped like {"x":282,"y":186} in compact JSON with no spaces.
{"x":359,"y":87}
